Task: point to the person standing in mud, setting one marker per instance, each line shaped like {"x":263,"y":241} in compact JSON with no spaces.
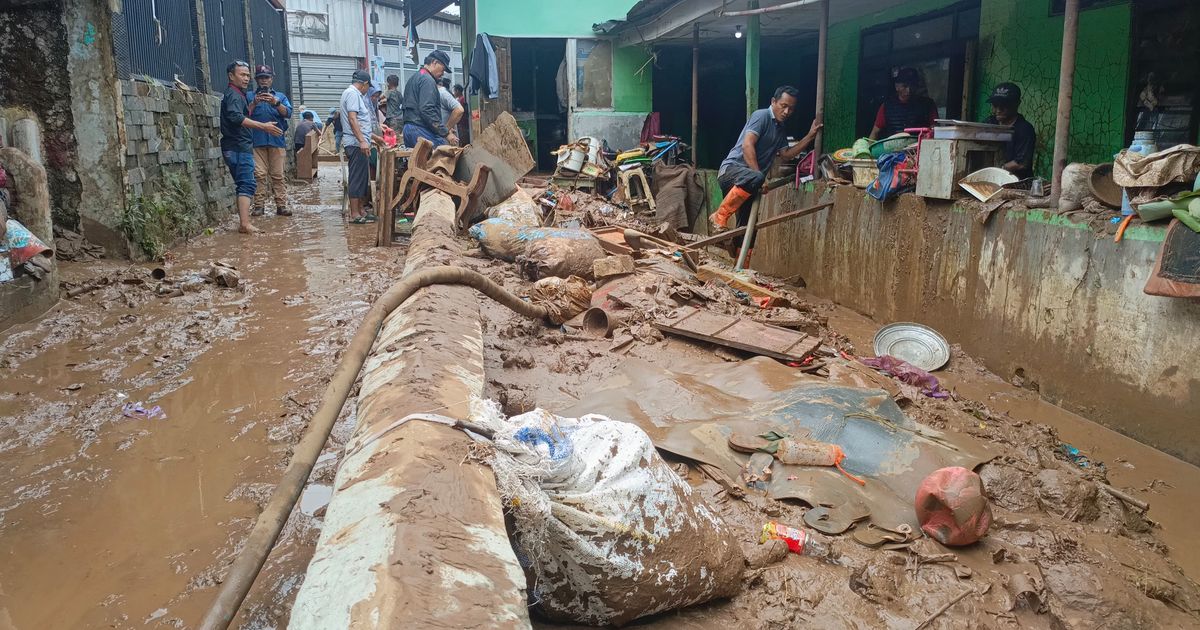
{"x":270,"y":157}
{"x":356,"y":128}
{"x":237,"y":146}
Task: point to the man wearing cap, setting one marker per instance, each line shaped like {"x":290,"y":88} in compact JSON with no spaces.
{"x":1018,"y":153}
{"x":237,"y":146}
{"x":270,"y":154}
{"x":422,"y":104}
{"x":356,"y":128}
{"x":906,"y":108}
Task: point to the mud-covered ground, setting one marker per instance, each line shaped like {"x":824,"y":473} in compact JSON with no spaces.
{"x":140,"y":435}
{"x":118,"y":518}
{"x":1062,"y":552}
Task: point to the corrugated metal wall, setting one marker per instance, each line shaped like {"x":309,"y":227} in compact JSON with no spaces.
{"x":345,"y":20}
{"x":225,"y":30}
{"x":156,"y":39}
{"x":319,"y":81}
{"x":267,"y":36}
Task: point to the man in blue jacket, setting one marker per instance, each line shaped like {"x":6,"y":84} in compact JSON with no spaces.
{"x":237,"y":147}
{"x":270,"y":154}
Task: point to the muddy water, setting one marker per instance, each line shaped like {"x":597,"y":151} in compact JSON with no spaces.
{"x":1169,"y":484}
{"x":115,"y":521}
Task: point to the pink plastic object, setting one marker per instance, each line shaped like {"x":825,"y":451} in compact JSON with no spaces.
{"x":952,"y":507}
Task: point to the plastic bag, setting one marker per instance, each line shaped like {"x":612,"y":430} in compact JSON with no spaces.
{"x":506,"y":240}
{"x":562,"y":256}
{"x":606,"y":531}
{"x":519,"y":209}
{"x":565,"y":297}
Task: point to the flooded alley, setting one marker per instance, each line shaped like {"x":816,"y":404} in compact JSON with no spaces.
{"x":113,"y":517}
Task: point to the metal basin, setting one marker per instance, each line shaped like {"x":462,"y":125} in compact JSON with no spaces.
{"x":920,"y":345}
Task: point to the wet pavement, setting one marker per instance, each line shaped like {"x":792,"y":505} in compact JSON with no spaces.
{"x":110,"y":519}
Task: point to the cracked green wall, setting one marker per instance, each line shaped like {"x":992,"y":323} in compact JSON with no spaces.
{"x":1018,"y":42}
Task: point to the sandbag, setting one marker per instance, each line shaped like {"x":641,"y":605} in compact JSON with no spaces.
{"x":564,"y":297}
{"x":518,"y":209}
{"x":506,"y":240}
{"x":605,"y":530}
{"x":561,"y":255}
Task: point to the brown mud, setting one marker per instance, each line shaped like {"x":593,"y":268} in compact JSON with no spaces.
{"x":1062,"y":553}
{"x":115,"y":521}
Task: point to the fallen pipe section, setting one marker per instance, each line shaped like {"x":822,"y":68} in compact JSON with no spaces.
{"x":414,"y":534}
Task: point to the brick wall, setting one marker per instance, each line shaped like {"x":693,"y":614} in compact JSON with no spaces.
{"x":167,"y":129}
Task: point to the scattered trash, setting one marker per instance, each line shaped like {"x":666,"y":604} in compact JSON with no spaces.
{"x":792,"y":450}
{"x":1074,"y":454}
{"x":565,"y":297}
{"x":605,"y":529}
{"x":905,"y":372}
{"x":952,"y":506}
{"x":798,"y":540}
{"x":132,"y":410}
{"x":562,"y":256}
{"x":225,"y":275}
{"x":917,"y":344}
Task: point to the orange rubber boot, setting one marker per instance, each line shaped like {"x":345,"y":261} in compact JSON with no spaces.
{"x":729,"y":207}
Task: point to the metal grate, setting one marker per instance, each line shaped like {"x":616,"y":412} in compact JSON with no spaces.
{"x":225,"y":30}
{"x":158,"y":40}
{"x":267,"y":27}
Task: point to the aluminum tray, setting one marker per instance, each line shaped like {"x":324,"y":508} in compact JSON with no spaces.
{"x":920,"y":345}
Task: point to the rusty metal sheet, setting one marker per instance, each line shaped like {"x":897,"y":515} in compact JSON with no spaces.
{"x":692,"y":415}
{"x":739,"y":332}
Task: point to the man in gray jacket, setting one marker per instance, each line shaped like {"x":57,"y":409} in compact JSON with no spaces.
{"x":422,"y":104}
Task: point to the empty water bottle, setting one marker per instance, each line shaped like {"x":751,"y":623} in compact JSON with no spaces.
{"x":798,"y":540}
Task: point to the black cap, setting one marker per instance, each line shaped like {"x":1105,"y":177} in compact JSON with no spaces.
{"x":440,"y":55}
{"x":264,"y":71}
{"x":361,"y":75}
{"x":907,"y":76}
{"x":1007,"y":93}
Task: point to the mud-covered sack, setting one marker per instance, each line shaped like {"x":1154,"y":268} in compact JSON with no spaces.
{"x":519,"y":209}
{"x":561,"y":255}
{"x":605,"y":530}
{"x":564,"y":297}
{"x":506,"y":240}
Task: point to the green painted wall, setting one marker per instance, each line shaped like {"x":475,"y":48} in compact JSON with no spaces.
{"x":547,"y":18}
{"x":1018,"y":42}
{"x":632,"y":92}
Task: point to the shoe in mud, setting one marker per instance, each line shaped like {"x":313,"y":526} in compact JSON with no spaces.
{"x":258,"y":212}
{"x":283,"y":211}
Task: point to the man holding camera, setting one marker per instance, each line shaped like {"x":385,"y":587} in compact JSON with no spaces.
{"x":270,"y":155}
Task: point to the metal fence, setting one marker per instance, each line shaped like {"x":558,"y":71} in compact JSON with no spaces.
{"x":156,"y":38}
{"x":225,"y":32}
{"x":267,"y":33}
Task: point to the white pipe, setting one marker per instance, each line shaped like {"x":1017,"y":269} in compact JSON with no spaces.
{"x":762,"y":10}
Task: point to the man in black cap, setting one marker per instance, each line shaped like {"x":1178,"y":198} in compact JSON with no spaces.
{"x":237,"y":147}
{"x":270,"y":157}
{"x":422,"y":104}
{"x":906,"y":109}
{"x":1018,"y":154}
{"x":356,"y":120}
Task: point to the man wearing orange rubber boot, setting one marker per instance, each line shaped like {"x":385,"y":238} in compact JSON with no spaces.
{"x":744,"y":170}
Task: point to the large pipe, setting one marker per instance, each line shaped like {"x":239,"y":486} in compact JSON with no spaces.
{"x":1066,"y":83}
{"x":270,"y":522}
{"x":778,"y":7}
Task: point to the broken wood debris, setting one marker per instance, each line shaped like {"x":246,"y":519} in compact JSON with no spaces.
{"x":740,"y":333}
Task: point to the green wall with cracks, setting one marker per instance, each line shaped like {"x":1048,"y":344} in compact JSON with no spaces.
{"x":547,"y":18}
{"x":632,"y":91}
{"x":1018,"y":42}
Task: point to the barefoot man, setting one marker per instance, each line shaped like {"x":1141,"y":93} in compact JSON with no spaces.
{"x":236,"y":145}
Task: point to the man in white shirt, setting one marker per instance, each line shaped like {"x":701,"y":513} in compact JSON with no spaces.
{"x":356,"y":119}
{"x":452,"y":110}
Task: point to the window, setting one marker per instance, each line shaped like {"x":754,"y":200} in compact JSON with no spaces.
{"x":593,"y":73}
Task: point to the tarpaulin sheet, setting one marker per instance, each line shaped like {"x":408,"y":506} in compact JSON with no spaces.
{"x":692,"y":415}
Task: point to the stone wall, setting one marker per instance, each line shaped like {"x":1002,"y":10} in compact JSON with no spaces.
{"x":172,"y":145}
{"x":1030,"y":293}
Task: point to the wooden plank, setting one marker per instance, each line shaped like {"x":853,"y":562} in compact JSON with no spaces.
{"x":612,"y":239}
{"x":736,"y":232}
{"x":739,"y":333}
{"x":708,"y":272}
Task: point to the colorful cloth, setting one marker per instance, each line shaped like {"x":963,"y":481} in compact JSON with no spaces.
{"x":22,"y":244}
{"x":906,"y":372}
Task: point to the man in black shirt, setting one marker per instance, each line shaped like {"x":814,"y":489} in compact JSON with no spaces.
{"x":422,"y":104}
{"x":1018,"y":153}
{"x":236,"y":145}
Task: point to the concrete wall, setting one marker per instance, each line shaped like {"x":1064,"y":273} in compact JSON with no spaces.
{"x":1030,"y":294}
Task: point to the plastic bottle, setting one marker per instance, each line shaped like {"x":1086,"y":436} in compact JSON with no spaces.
{"x":798,"y":540}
